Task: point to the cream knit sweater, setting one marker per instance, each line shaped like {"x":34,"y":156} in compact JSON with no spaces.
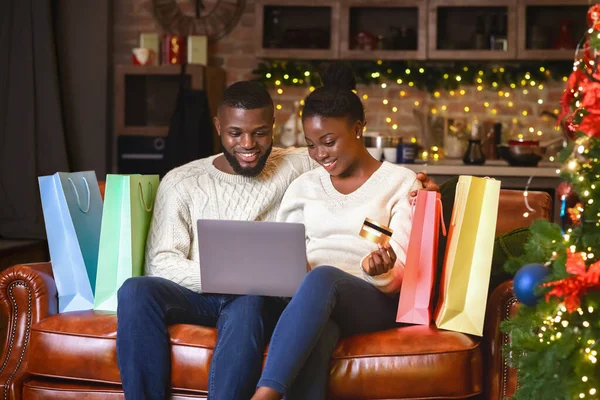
{"x":333,"y":220}
{"x":199,"y":190}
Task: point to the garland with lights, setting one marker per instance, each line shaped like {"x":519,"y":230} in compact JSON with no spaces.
{"x":444,"y":81}
{"x":555,"y":335}
{"x":423,"y":75}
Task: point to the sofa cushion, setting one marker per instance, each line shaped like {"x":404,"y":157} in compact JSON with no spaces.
{"x":82,"y":345}
{"x":398,"y":363}
{"x":404,"y":362}
{"x":61,"y":390}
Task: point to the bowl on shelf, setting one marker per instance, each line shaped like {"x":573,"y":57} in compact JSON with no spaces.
{"x":384,"y":146}
{"x":522,"y":153}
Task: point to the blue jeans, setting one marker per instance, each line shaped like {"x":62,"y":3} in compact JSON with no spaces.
{"x":311,"y":381}
{"x":148,"y":305}
{"x":326,"y":295}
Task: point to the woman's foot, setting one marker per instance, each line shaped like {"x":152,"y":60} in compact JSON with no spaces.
{"x":265,"y":393}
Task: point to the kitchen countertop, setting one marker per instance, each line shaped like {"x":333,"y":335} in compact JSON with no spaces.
{"x":543,"y":177}
{"x":499,"y":168}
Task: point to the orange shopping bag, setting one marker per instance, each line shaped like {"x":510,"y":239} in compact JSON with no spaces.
{"x":414,"y":306}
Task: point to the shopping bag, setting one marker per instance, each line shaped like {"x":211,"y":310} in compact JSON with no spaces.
{"x":414,"y":305}
{"x":128,"y":204}
{"x":72,"y":209}
{"x":468,"y":261}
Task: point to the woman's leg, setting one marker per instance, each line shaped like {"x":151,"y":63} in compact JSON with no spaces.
{"x":326,"y":292}
{"x":311,"y":382}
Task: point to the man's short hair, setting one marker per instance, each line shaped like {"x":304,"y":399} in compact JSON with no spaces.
{"x":247,"y":95}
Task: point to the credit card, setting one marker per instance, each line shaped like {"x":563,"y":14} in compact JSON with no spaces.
{"x":375,"y":232}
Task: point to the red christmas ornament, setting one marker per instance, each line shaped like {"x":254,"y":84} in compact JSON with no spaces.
{"x":590,"y":101}
{"x":573,"y":288}
{"x":591,"y":123}
{"x":568,"y":128}
{"x":576,"y":80}
{"x":593,"y":16}
{"x":564,"y":189}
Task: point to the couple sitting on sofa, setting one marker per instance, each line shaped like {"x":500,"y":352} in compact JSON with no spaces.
{"x":353,"y":284}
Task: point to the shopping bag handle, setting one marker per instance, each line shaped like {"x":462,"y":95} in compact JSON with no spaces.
{"x":148,"y":209}
{"x":439,"y":201}
{"x":457,"y":200}
{"x":87,"y":186}
{"x":413,"y":204}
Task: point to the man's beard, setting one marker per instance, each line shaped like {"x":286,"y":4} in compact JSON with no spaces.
{"x":250,"y":172}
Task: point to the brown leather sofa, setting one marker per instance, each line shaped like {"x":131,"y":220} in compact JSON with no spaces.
{"x":47,"y":355}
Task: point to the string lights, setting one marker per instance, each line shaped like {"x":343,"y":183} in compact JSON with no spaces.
{"x":423,"y":75}
{"x":554,"y":328}
{"x":518,"y":86}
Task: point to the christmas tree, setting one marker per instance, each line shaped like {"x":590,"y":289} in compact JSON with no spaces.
{"x":555,"y":335}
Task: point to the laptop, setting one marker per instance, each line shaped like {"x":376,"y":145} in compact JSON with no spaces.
{"x":251,"y":257}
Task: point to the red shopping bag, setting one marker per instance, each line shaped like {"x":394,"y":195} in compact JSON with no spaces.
{"x":414,"y":305}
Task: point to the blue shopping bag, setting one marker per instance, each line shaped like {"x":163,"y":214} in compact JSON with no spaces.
{"x":72,"y":208}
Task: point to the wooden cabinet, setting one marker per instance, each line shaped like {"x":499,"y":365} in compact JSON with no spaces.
{"x":550,"y":29}
{"x":472,"y":29}
{"x":420,"y":29}
{"x":145,"y":95}
{"x":395,"y":27}
{"x":303,"y":29}
{"x":145,"y":98}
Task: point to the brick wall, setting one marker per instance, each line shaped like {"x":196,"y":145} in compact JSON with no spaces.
{"x":234,"y":53}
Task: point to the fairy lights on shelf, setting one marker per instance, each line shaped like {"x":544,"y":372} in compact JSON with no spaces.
{"x":424,"y":75}
{"x":446,"y":83}
{"x":437,"y":103}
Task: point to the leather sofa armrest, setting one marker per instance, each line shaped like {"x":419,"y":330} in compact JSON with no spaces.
{"x":27,"y":295}
{"x":499,"y":380}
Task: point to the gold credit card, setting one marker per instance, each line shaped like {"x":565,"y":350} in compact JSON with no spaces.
{"x":375,"y":232}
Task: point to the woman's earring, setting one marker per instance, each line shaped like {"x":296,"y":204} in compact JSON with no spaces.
{"x":358,"y":136}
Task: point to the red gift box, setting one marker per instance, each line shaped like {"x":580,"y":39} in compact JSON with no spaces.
{"x":174,"y":49}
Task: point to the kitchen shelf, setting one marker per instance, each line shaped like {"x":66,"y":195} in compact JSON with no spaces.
{"x":304,"y":29}
{"x":416,"y":29}
{"x":453,"y":24}
{"x":539,"y":25}
{"x":395,"y":27}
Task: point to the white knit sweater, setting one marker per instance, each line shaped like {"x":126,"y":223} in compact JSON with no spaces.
{"x":333,"y":220}
{"x":199,"y":190}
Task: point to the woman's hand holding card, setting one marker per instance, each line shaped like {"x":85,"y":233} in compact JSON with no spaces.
{"x":380,"y":261}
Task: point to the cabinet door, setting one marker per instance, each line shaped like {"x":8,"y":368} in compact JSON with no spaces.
{"x":145,"y":96}
{"x":383,"y":29}
{"x":472,"y":29}
{"x":300,"y":29}
{"x":550,"y":29}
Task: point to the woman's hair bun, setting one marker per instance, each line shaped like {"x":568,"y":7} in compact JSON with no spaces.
{"x":338,"y":75}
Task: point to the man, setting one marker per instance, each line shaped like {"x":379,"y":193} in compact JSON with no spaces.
{"x":246,"y":182}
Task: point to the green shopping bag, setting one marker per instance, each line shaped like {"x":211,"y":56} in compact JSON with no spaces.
{"x":128,"y":204}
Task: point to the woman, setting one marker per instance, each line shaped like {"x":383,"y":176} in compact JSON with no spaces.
{"x":353,"y":283}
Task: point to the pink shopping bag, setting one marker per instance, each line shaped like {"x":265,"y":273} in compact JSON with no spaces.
{"x":414,"y":305}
